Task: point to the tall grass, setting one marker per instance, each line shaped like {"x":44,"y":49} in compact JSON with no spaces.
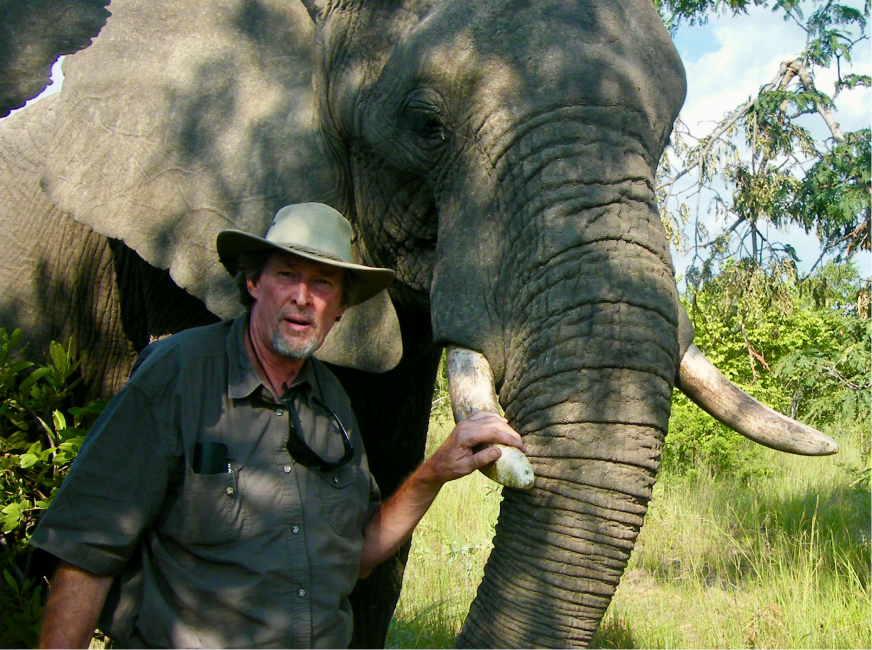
{"x":781,"y":560}
{"x":449,"y":549}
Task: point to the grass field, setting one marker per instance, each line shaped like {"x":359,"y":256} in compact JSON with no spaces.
{"x":780,"y":561}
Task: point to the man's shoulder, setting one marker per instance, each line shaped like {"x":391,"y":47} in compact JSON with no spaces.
{"x":207,"y":340}
{"x":331,"y":388}
{"x":166,"y":358}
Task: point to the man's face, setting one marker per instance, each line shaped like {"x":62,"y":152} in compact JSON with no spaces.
{"x":296,"y":304}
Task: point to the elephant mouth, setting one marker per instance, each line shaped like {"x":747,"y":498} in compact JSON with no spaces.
{"x":471,"y":387}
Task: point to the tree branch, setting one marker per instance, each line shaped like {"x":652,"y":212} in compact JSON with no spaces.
{"x":824,"y":111}
{"x":784,"y":76}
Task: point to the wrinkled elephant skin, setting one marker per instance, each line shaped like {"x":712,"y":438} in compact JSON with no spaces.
{"x":498,"y":155}
{"x":33,"y":35}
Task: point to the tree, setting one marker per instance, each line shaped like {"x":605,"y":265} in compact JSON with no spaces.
{"x":761,"y":163}
{"x":801,"y":347}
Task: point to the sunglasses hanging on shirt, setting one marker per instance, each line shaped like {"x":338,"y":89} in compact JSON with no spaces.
{"x":296,"y":446}
{"x":301,"y":452}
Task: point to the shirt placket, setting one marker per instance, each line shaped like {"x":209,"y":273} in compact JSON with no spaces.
{"x":299,"y":597}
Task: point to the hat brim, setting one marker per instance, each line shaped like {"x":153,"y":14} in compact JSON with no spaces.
{"x":368,"y":280}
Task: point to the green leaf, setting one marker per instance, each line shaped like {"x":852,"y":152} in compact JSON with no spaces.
{"x":11,"y":517}
{"x":12,"y":582}
{"x":60,"y":422}
{"x":34,"y":377}
{"x":15,"y":368}
{"x":27,"y":460}
{"x":59,"y":357}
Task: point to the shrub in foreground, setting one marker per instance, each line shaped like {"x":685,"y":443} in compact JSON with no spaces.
{"x":41,"y":431}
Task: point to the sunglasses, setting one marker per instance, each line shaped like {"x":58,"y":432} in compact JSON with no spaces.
{"x":302,"y":453}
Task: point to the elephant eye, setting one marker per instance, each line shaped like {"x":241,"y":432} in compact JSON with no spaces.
{"x":424,"y":119}
{"x":428,"y":127}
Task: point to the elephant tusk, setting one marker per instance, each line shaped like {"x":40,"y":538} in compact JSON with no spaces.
{"x":471,"y":387}
{"x":720,"y":398}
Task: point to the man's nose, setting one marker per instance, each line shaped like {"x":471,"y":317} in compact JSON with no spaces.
{"x":300,"y":293}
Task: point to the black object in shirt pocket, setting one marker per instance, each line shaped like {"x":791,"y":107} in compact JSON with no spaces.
{"x":210,"y":458}
{"x":208,"y":511}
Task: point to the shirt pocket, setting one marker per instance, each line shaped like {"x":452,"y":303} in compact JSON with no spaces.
{"x":344,"y":499}
{"x":210,"y":512}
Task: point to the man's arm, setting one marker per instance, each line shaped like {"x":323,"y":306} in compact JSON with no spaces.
{"x":73,"y":608}
{"x":392,"y":524}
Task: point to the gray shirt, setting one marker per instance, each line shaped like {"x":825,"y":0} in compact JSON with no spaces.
{"x":261,"y":553}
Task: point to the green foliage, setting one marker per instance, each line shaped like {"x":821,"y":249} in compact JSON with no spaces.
{"x":697,"y":12}
{"x":801,"y":347}
{"x":834,"y":191}
{"x":833,"y":388}
{"x":40,"y":434}
{"x":698,"y":444}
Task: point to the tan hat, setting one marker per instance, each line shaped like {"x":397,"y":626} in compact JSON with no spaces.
{"x":314,"y":231}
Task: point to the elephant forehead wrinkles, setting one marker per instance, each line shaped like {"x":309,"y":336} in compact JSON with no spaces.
{"x":598,"y":394}
{"x":574,"y":163}
{"x":607,"y":269}
{"x":587,"y":338}
{"x":563,"y":224}
{"x":520,"y":135}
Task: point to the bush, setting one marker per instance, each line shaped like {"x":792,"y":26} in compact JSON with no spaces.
{"x":40,"y":434}
{"x":697,"y":443}
{"x":800,"y":347}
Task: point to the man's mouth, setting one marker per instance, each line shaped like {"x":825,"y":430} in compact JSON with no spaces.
{"x":299,"y":322}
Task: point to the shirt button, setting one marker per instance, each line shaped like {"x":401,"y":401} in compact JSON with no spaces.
{"x":230,"y":490}
{"x":335,"y":480}
{"x":286,"y":469}
{"x":280,"y":412}
{"x":301,"y":593}
{"x":295,"y":529}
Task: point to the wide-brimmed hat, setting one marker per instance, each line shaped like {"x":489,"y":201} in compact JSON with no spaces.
{"x":314,"y":231}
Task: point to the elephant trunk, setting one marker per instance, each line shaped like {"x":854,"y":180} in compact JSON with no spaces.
{"x":565,"y":285}
{"x":562,"y":546}
{"x":589,"y":388}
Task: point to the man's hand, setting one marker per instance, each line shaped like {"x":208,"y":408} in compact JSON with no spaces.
{"x":393,"y":523}
{"x":458,"y":457}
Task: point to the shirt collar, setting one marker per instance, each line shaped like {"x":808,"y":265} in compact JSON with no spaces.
{"x":242,"y":377}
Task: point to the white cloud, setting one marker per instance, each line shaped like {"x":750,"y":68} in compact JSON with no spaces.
{"x":749,"y":51}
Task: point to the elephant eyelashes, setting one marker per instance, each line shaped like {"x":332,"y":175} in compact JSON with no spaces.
{"x":428,"y":128}
{"x":424,"y":119}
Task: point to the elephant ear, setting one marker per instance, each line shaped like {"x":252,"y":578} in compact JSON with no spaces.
{"x":367,"y":338}
{"x":183,"y":119}
{"x":32,"y":37}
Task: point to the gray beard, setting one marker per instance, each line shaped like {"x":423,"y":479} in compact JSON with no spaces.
{"x":297,"y":350}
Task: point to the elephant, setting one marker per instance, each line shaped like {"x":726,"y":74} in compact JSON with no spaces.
{"x":499,"y":155}
{"x":34,"y":35}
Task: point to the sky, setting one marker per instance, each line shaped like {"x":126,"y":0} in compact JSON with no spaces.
{"x":728,"y":59}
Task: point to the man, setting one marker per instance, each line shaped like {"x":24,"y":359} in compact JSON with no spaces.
{"x":223,"y":498}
